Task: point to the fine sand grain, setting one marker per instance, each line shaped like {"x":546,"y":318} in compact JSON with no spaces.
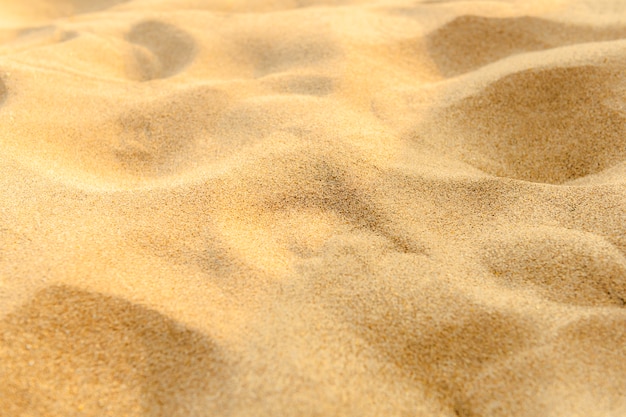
{"x":312,"y":208}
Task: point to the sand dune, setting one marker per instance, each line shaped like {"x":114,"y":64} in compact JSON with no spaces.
{"x":312,"y":208}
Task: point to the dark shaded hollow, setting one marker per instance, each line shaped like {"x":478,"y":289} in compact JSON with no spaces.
{"x":173,"y":48}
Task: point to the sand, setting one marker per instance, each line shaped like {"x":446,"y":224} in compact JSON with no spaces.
{"x":312,"y":208}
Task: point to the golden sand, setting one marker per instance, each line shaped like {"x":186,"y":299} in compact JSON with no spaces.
{"x":312,"y":208}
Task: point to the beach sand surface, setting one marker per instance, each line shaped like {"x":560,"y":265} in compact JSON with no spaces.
{"x":312,"y":208}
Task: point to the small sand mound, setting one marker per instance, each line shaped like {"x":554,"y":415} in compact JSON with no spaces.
{"x":580,"y":372}
{"x":65,"y":344}
{"x":549,"y":125}
{"x":469,"y":42}
{"x":564,"y":265}
{"x":155,"y":134}
{"x":449,"y":44}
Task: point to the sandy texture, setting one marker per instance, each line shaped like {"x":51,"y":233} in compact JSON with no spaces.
{"x":312,"y":208}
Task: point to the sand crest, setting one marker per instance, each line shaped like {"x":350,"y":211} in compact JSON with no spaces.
{"x":312,"y":208}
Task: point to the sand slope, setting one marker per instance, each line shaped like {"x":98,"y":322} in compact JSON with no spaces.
{"x":312,"y":208}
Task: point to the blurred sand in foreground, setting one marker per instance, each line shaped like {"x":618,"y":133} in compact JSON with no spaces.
{"x":312,"y":208}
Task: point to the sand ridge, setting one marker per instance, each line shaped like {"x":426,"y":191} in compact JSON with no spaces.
{"x":304,"y":208}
